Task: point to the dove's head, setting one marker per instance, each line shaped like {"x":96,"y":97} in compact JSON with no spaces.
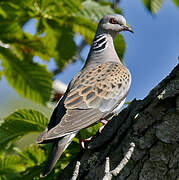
{"x":114,"y":23}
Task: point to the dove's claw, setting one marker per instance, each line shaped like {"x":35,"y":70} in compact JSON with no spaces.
{"x":104,"y":122}
{"x":83,"y":142}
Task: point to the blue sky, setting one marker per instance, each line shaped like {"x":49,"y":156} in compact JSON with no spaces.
{"x":152,"y":52}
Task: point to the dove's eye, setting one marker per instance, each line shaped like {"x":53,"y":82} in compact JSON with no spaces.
{"x":113,"y":21}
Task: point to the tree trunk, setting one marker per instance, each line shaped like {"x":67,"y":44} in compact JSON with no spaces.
{"x":152,"y":124}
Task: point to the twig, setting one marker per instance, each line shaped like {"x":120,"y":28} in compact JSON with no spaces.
{"x":107,"y":165}
{"x":117,"y":170}
{"x":76,"y":171}
{"x":124,"y":161}
{"x":109,"y":174}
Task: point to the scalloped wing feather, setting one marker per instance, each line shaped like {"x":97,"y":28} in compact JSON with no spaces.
{"x":94,"y":94}
{"x":100,"y":87}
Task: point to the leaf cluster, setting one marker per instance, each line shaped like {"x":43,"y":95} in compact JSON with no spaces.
{"x":57,"y":24}
{"x":154,"y":5}
{"x":29,"y":162}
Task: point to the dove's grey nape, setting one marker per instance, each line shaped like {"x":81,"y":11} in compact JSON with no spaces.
{"x":95,"y":92}
{"x":103,"y":47}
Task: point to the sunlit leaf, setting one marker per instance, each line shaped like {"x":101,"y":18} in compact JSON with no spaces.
{"x":21,"y":123}
{"x":1,"y":73}
{"x":85,"y":27}
{"x":15,"y":11}
{"x":40,"y":26}
{"x":66,"y":47}
{"x":25,"y":164}
{"x":32,"y":155}
{"x":32,"y":45}
{"x":153,"y":5}
{"x":94,"y":11}
{"x":9,"y":29}
{"x":176,"y":2}
{"x":88,"y":132}
{"x":60,"y":42}
{"x":110,"y":3}
{"x":31,"y":80}
{"x":11,"y":33}
{"x":34,"y":173}
{"x":11,"y":164}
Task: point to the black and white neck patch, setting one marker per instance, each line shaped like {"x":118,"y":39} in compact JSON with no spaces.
{"x":99,"y":43}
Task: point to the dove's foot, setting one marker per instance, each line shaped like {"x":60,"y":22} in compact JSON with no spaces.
{"x":84,"y":141}
{"x":104,"y":122}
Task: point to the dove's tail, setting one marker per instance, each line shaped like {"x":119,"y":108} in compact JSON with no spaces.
{"x":57,"y":150}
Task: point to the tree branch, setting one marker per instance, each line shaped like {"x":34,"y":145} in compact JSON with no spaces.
{"x":152,"y":125}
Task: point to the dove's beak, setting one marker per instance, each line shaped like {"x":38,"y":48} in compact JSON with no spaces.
{"x":127,"y":28}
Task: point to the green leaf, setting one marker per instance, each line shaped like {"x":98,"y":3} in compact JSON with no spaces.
{"x":33,"y":155}
{"x":40,"y":26}
{"x":153,"y":5}
{"x":11,"y":164}
{"x":34,"y":173}
{"x":21,"y":123}
{"x":60,"y":42}
{"x":1,"y":73}
{"x":120,"y":45}
{"x":94,"y":11}
{"x":65,"y":47}
{"x":110,"y":3}
{"x":9,"y":29}
{"x":57,"y":9}
{"x":176,"y":2}
{"x":12,"y":34}
{"x":26,"y":164}
{"x":31,"y":45}
{"x":29,"y":79}
{"x":86,"y":133}
{"x":85,"y":27}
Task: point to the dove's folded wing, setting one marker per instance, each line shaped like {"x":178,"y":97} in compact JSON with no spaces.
{"x":94,"y":94}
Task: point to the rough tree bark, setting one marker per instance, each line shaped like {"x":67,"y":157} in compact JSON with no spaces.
{"x":152,"y":124}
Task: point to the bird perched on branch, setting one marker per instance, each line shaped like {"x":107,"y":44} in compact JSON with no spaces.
{"x":97,"y":90}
